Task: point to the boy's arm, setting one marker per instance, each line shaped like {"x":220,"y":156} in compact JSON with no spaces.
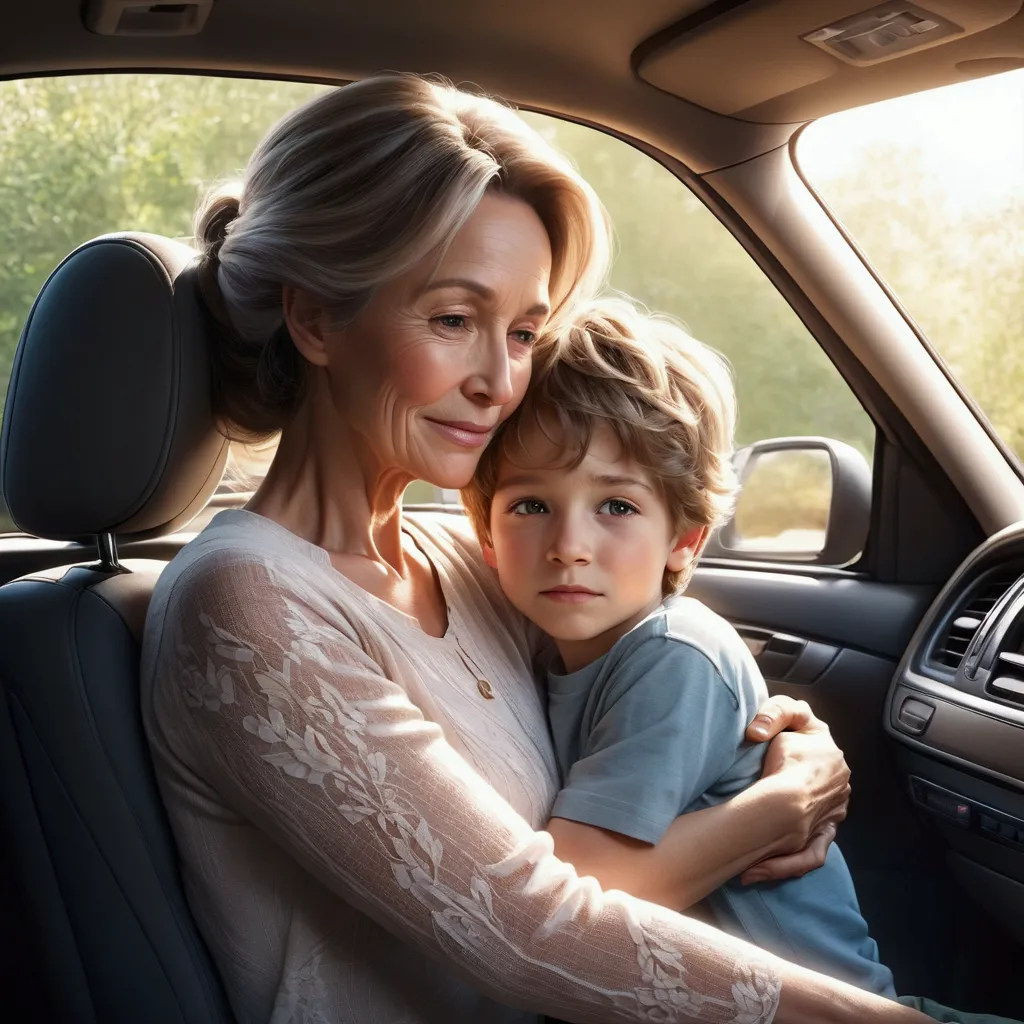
{"x":670,"y":728}
{"x":699,"y":853}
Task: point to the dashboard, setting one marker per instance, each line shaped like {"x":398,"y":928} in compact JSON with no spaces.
{"x":956,"y":709}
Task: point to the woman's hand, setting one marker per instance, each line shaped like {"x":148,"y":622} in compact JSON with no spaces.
{"x":812,"y":784}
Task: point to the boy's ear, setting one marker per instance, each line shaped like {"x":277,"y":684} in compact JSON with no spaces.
{"x":489,"y":556}
{"x":688,"y":545}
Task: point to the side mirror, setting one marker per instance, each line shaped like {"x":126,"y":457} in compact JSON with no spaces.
{"x":802,"y":499}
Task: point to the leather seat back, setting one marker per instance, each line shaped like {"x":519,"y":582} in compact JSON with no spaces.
{"x":107,"y":432}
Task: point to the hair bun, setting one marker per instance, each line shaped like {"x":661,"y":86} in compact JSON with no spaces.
{"x":213,"y":222}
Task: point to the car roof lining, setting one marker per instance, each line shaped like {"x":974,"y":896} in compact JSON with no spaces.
{"x":578,"y":58}
{"x":788,"y":79}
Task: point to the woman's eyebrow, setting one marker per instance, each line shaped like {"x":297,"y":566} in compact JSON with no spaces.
{"x":478,"y":288}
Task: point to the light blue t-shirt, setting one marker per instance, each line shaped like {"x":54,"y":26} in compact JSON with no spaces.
{"x":656,"y":728}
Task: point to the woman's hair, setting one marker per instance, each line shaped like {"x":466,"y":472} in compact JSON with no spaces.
{"x":668,"y":399}
{"x":350,"y":191}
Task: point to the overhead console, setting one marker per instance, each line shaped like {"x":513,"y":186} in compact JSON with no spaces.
{"x":803,"y":60}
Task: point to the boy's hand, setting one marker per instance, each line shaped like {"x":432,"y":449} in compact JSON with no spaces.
{"x":803,"y":759}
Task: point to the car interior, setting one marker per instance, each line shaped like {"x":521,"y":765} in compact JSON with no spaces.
{"x":902,"y":624}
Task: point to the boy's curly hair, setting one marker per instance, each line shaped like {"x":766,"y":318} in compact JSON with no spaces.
{"x":668,"y":399}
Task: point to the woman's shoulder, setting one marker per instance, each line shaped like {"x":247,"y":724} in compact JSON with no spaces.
{"x":445,"y":525}
{"x":234,"y":542}
{"x":239,"y":559}
{"x":462,"y":562}
{"x":452,"y":534}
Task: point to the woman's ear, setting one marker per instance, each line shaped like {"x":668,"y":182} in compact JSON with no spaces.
{"x":306,"y":321}
{"x":687,"y":546}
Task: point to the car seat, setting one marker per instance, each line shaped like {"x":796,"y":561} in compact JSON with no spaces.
{"x":107,"y":435}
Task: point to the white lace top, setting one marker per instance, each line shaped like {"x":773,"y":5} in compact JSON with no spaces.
{"x":356,"y":801}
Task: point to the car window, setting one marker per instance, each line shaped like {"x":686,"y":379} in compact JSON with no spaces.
{"x":931,"y":187}
{"x":675,"y":256}
{"x":82,"y":155}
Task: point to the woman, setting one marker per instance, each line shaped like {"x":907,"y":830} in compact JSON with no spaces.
{"x":347,"y":733}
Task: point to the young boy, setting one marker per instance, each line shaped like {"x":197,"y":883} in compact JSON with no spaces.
{"x":593,"y":505}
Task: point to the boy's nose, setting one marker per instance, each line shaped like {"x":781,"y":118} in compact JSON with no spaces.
{"x":569,"y":547}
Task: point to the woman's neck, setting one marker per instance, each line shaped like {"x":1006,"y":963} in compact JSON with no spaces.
{"x":334,"y":494}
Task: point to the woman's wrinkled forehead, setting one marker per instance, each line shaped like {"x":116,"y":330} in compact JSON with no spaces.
{"x":503,"y":243}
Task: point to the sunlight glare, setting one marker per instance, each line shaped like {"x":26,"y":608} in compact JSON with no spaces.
{"x":970,"y":136}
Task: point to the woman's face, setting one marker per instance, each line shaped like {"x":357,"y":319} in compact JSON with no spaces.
{"x":441,"y":355}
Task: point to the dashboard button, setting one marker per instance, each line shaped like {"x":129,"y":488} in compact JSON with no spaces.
{"x":914,"y":715}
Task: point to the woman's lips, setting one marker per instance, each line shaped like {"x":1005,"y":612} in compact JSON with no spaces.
{"x":468,"y":435}
{"x":570,"y":594}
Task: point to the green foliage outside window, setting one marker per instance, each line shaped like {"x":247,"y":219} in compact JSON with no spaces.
{"x":931,"y":188}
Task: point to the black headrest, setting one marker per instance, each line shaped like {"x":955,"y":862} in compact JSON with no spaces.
{"x":107,"y":427}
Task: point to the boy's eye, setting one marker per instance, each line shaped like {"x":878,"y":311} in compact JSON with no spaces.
{"x":528,"y":507}
{"x":617,"y":507}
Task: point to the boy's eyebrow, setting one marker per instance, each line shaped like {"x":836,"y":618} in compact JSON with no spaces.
{"x":605,"y":480}
{"x":519,"y":480}
{"x":622,"y":481}
{"x":478,"y":288}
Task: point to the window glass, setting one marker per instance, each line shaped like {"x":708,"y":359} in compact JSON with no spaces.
{"x":82,"y":155}
{"x":931,"y":187}
{"x":676,"y":257}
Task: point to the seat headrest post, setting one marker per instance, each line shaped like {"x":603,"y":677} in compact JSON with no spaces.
{"x":106,"y":545}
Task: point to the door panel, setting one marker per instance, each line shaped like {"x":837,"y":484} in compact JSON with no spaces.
{"x":835,"y":607}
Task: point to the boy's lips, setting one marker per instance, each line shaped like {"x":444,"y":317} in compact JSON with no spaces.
{"x":570,"y":593}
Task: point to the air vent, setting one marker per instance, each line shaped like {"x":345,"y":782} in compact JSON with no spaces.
{"x":951,"y":647}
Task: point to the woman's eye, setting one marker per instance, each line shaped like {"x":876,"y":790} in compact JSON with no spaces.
{"x":528,"y":507}
{"x":617,"y":507}
{"x":525,"y":336}
{"x":453,"y":321}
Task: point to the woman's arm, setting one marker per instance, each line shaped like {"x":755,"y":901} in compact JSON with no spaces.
{"x":810,"y":998}
{"x":294,"y":727}
{"x":815,"y":781}
{"x":783,"y":824}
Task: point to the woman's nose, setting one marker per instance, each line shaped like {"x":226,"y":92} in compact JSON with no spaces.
{"x":492,"y":383}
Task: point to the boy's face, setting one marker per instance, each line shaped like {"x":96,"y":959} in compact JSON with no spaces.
{"x":582,"y":552}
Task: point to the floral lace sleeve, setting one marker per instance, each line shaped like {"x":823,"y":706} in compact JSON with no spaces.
{"x":297,"y":729}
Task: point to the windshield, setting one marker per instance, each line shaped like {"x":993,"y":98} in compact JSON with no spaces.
{"x":931,"y":188}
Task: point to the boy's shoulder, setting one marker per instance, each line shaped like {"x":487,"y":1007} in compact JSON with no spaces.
{"x":685,"y":631}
